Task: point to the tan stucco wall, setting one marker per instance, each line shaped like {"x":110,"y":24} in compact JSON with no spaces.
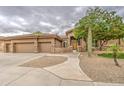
{"x":68,"y":38}
{"x":1,"y":46}
{"x":35,"y":42}
{"x":58,"y":43}
{"x":63,"y":50}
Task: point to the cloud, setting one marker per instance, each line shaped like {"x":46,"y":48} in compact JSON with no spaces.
{"x":50,"y":19}
{"x":21,"y":20}
{"x":3,"y":19}
{"x":15,"y":24}
{"x":58,"y":18}
{"x":46,"y":24}
{"x":16,"y":32}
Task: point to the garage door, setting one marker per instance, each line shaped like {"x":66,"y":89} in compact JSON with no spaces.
{"x":45,"y":47}
{"x":24,"y":47}
{"x":8,"y":48}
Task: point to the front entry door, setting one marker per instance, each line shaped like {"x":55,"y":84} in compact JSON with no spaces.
{"x":74,"y":44}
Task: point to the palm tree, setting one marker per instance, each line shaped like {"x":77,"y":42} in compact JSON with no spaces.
{"x":37,"y":33}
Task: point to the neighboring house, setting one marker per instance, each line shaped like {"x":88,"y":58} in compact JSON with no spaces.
{"x":120,"y":42}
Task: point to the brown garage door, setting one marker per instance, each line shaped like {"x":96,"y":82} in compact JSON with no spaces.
{"x":8,"y":48}
{"x":24,"y":47}
{"x":45,"y":47}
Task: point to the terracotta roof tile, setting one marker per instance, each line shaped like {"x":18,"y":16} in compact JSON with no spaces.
{"x":26,"y":36}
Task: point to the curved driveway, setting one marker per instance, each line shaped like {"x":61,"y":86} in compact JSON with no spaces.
{"x":67,"y":73}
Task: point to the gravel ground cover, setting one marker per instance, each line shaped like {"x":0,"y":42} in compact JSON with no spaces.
{"x":45,"y":61}
{"x":101,"y":69}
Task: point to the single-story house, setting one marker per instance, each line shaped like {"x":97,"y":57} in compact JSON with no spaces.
{"x":48,"y":43}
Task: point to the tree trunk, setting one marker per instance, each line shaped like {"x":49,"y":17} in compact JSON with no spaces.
{"x":115,"y":59}
{"x":102,"y":43}
{"x":96,"y":43}
{"x":119,"y":41}
{"x":85,"y":40}
{"x":100,"y":46}
{"x":89,"y":42}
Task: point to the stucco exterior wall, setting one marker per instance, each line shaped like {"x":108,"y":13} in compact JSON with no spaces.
{"x":58,"y":43}
{"x":1,"y":46}
{"x":17,"y":45}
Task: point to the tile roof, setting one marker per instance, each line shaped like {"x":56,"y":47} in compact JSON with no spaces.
{"x":27,"y":36}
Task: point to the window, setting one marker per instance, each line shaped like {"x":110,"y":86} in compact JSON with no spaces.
{"x":79,"y":43}
{"x":64,"y":44}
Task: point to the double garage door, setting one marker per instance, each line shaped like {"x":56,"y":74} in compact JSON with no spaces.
{"x":24,"y":47}
{"x":29,"y":47}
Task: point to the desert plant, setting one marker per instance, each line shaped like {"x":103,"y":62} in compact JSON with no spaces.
{"x":115,"y":52}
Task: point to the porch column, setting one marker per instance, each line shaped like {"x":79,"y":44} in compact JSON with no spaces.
{"x":36,"y":45}
{"x":53,"y":46}
{"x":12,"y":47}
{"x":4,"y":47}
{"x":69,"y":41}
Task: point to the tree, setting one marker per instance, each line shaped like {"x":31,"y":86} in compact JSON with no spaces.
{"x":115,"y":52}
{"x":37,"y":33}
{"x":101,"y":25}
{"x":80,"y":33}
{"x":88,"y":23}
{"x":110,"y":27}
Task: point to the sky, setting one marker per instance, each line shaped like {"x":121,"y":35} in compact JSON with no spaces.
{"x":18,"y":20}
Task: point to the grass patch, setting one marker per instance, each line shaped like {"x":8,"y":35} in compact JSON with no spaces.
{"x":110,"y":55}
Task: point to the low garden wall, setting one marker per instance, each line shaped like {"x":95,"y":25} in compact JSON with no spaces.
{"x":63,"y":50}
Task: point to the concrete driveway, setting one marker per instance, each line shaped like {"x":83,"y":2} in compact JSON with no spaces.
{"x":67,"y":73}
{"x":13,"y":74}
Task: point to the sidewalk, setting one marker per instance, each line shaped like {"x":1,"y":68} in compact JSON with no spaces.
{"x":69,"y":70}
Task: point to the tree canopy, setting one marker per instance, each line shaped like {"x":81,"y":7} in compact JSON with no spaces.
{"x":105,"y":25}
{"x":37,"y":33}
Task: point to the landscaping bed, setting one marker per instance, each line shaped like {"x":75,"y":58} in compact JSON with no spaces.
{"x":45,"y":61}
{"x":101,"y":69}
{"x":110,"y":55}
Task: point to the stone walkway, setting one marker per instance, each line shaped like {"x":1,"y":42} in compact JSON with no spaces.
{"x":69,"y":70}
